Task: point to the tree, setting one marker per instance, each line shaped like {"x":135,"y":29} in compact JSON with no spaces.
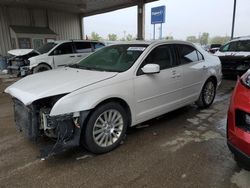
{"x":192,"y":39}
{"x":129,"y":37}
{"x":112,"y":37}
{"x":95,"y":36}
{"x":220,"y":40}
{"x":203,"y":39}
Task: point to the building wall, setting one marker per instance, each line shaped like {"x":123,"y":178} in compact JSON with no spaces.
{"x":5,"y":43}
{"x":66,"y":25}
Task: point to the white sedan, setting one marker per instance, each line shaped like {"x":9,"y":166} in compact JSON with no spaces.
{"x":94,"y":101}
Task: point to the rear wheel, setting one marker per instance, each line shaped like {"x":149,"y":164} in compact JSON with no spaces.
{"x":105,"y":129}
{"x":41,"y":68}
{"x":207,"y":95}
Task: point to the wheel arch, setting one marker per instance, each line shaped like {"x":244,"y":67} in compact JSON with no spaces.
{"x":214,"y":79}
{"x":122,"y":102}
{"x":42,"y":63}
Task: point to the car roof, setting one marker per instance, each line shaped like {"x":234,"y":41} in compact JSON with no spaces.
{"x":77,"y":40}
{"x":146,"y":42}
{"x":155,"y":42}
{"x":240,"y":39}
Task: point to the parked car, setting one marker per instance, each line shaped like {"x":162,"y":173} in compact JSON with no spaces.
{"x":17,"y":59}
{"x":213,"y":48}
{"x":235,"y":56}
{"x":238,"y":123}
{"x":119,"y":86}
{"x":61,"y":53}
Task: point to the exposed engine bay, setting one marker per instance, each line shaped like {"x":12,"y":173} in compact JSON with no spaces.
{"x":34,"y":120}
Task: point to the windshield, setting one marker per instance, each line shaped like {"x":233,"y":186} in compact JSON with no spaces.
{"x":116,"y":58}
{"x":46,"y":47}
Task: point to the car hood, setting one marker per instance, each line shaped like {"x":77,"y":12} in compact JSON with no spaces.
{"x":20,"y":52}
{"x":55,"y":82}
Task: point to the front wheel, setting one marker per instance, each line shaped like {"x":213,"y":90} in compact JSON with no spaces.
{"x":207,"y":94}
{"x":105,"y":129}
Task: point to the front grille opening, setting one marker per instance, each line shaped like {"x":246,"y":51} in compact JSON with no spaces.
{"x":242,"y":120}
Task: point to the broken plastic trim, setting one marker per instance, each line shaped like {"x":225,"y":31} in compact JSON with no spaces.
{"x":68,"y":135}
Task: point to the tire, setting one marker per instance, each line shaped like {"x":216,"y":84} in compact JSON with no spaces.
{"x":41,"y":68}
{"x":207,"y":94}
{"x":105,"y":128}
{"x":241,"y":163}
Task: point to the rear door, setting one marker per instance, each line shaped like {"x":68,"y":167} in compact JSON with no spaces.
{"x":156,"y":94}
{"x":194,"y":72}
{"x":63,"y":54}
{"x":82,"y":50}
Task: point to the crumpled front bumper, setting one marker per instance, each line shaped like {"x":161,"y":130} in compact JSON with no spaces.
{"x":68,"y":132}
{"x":18,"y":70}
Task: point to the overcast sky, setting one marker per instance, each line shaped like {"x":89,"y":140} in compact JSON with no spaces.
{"x":183,"y":18}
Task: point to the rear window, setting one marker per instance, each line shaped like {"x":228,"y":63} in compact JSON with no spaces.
{"x":83,"y":47}
{"x":188,"y":54}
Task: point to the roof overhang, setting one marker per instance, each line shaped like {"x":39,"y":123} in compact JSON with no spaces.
{"x":81,"y":7}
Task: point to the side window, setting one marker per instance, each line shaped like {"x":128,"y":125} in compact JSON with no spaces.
{"x":200,"y":56}
{"x":161,"y":55}
{"x":65,"y":48}
{"x":98,"y":45}
{"x":188,"y":54}
{"x":83,"y":47}
{"x":243,"y":46}
{"x":224,"y":48}
{"x":232,"y":47}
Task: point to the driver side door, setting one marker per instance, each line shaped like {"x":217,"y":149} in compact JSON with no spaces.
{"x":156,"y":94}
{"x":63,"y":55}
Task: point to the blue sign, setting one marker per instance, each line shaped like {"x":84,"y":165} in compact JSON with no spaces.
{"x":158,"y":15}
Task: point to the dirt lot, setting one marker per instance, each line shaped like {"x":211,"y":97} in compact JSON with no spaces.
{"x":185,"y":148}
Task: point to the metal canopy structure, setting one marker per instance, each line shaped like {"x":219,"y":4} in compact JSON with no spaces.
{"x":82,"y":7}
{"x":64,"y":17}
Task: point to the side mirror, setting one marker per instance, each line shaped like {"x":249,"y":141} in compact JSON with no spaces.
{"x":151,"y":69}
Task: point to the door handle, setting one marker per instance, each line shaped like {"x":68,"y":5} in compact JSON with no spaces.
{"x":79,"y":56}
{"x":178,"y":75}
{"x":72,"y":56}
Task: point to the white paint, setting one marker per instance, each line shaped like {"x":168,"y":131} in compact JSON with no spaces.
{"x":148,"y":96}
{"x":19,"y":52}
{"x":50,"y":83}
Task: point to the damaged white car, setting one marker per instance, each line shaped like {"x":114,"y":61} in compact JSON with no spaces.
{"x":94,"y":102}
